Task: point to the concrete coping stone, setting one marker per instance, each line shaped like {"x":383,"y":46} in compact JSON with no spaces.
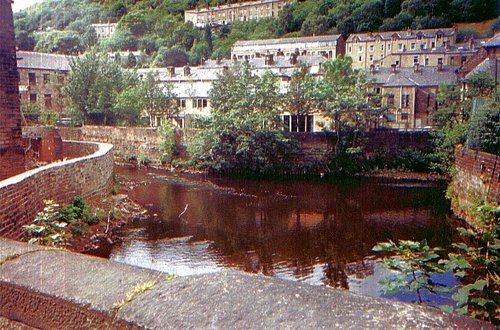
{"x":50,"y":288}
{"x":103,"y":149}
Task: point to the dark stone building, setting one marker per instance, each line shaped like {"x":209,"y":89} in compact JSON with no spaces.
{"x":11,"y":150}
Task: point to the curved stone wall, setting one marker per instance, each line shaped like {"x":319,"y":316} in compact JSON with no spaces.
{"x":22,"y":196}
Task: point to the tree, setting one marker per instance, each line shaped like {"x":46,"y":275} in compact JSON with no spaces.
{"x":94,"y":83}
{"x":171,"y":57}
{"x":342,"y":96}
{"x":131,"y":60}
{"x":158,"y":102}
{"x":296,"y":100}
{"x":208,"y":38}
{"x":392,"y":8}
{"x":243,"y":132}
{"x":483,"y":131}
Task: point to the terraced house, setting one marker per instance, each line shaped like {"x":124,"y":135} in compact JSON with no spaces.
{"x":329,"y":46}
{"x":241,"y":11}
{"x":42,"y":78}
{"x":405,"y":48}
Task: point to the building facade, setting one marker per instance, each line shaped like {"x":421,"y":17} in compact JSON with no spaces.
{"x":241,"y":11}
{"x":104,"y":30}
{"x":11,"y":148}
{"x":409,"y":94}
{"x":42,"y":79}
{"x":192,"y":86}
{"x":329,"y":46}
{"x":383,"y":49}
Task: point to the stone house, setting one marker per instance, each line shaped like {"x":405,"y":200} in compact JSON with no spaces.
{"x":241,"y":11}
{"x":42,"y":79}
{"x":409,"y":93}
{"x":382,"y":49}
{"x":192,"y":86}
{"x":104,"y":30}
{"x":329,"y":46}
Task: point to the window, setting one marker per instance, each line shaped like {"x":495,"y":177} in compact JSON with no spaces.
{"x":389,"y":47}
{"x":400,"y":46}
{"x":33,"y":98}
{"x":360,"y":49}
{"x":404,"y":116}
{"x":32,"y":79}
{"x":360,"y":59}
{"x":412,"y":45}
{"x":371,"y":58}
{"x":405,"y":101}
{"x":181,"y":103}
{"x":377,"y":90}
{"x":47,"y":100}
{"x":415,"y":59}
{"x":390,"y":99}
{"x":382,"y":47}
{"x":298,"y":123}
{"x":350,"y":49}
{"x":426,"y":61}
{"x":433,"y":44}
{"x":46,"y":78}
{"x":200,"y":103}
{"x":371,"y":48}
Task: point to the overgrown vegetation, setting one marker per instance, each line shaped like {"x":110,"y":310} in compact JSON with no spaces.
{"x":56,"y":225}
{"x":158,"y":27}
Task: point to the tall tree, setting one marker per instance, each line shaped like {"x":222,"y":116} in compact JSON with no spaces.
{"x":159,"y":102}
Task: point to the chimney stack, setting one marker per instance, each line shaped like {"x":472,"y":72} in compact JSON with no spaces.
{"x":416,"y":67}
{"x":440,"y":64}
{"x":269,"y":59}
{"x":187,"y":71}
{"x":293,"y":59}
{"x":171,"y":71}
{"x":372,"y":68}
{"x":202,"y":62}
{"x":393,"y":68}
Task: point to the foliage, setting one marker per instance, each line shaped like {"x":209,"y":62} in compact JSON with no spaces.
{"x":167,"y":146}
{"x":93,"y":85}
{"x":243,"y":133}
{"x":152,"y":25}
{"x":414,"y":263}
{"x":475,"y":262}
{"x":158,"y":101}
{"x":483,"y":131}
{"x":56,"y":224}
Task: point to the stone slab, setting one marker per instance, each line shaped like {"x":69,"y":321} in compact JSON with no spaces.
{"x":242,"y":301}
{"x":10,"y":249}
{"x":76,"y":278}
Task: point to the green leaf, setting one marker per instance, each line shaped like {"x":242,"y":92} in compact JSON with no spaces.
{"x":384,"y":247}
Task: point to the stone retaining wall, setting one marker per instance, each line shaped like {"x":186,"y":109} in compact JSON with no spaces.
{"x":477,"y":178}
{"x":128,"y":142}
{"x":21,"y":196}
{"x":54,"y":289}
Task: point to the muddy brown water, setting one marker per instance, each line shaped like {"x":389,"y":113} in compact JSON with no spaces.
{"x":313,"y":231}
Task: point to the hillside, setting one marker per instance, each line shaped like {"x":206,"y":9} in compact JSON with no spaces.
{"x":157,"y":26}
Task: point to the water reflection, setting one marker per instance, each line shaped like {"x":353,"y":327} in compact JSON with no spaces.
{"x":316,"y":232}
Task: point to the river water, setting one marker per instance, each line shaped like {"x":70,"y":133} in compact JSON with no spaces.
{"x":318,"y":232}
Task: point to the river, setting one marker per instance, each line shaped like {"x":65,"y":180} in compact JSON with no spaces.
{"x":314,"y":231}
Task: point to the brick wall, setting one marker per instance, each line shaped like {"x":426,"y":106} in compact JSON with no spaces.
{"x":21,"y":196}
{"x":127,"y":141}
{"x":11,"y":150}
{"x":477,"y":178}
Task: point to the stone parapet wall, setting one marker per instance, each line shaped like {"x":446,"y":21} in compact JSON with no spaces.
{"x":21,"y":196}
{"x":128,"y":142}
{"x":477,"y":178}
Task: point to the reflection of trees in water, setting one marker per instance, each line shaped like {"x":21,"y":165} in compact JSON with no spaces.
{"x":256,"y":226}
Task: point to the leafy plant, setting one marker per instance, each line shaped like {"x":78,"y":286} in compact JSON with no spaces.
{"x":414,"y":263}
{"x":47,"y":229}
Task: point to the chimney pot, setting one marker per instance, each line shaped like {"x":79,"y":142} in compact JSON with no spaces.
{"x":171,"y":71}
{"x":393,"y":68}
{"x":187,"y":71}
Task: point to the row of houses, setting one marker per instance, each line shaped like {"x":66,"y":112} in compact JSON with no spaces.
{"x":406,"y":86}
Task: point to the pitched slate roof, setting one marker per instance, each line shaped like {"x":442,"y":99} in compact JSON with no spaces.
{"x":265,"y":42}
{"x":408,"y":34}
{"x":494,"y":42}
{"x":42,"y":61}
{"x":488,"y":65}
{"x":232,"y":5}
{"x":425,"y":77}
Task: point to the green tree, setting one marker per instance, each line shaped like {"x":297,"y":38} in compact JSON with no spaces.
{"x":128,"y":106}
{"x":159,"y":102}
{"x":93,"y":84}
{"x":296,"y":100}
{"x":483,"y":131}
{"x":131,"y":60}
{"x":342,"y":96}
{"x":171,"y":57}
{"x":243,"y":132}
